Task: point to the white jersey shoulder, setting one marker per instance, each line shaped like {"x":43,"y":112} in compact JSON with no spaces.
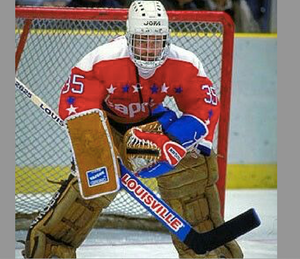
{"x":178,"y":53}
{"x":113,"y":50}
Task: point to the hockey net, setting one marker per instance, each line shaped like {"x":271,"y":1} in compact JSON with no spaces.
{"x":49,"y":41}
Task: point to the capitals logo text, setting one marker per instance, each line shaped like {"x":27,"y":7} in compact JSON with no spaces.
{"x":150,"y":201}
{"x":131,"y":109}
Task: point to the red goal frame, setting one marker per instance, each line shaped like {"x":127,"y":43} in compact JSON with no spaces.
{"x":30,"y":13}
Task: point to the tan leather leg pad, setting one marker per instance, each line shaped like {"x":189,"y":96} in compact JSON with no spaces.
{"x":66,"y":221}
{"x":191,"y":191}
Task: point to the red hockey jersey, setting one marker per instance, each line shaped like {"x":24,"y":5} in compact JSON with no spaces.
{"x":107,"y":79}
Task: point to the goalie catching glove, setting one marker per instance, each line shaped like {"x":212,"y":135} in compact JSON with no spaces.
{"x":158,"y":152}
{"x":156,"y":148}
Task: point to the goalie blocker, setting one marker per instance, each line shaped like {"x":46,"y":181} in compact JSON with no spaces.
{"x":65,"y":222}
{"x":95,"y":156}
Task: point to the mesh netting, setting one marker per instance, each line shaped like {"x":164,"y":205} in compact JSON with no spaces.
{"x":53,"y":46}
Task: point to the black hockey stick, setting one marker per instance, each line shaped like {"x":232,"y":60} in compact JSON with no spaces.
{"x":199,"y":242}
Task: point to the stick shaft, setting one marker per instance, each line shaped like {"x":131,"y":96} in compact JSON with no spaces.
{"x":38,"y":102}
{"x":153,"y":204}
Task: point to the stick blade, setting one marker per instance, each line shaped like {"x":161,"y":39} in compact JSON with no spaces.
{"x":230,"y":230}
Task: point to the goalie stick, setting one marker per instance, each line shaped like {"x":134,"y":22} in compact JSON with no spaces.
{"x":200,"y":243}
{"x":37,"y":101}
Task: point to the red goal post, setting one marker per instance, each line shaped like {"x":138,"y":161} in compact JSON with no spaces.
{"x":49,"y":41}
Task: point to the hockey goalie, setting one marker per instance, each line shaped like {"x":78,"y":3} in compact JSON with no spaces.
{"x":112,"y":106}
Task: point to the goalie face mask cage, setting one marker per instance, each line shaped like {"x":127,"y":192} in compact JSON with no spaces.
{"x":147,"y":34}
{"x":49,"y":41}
{"x":148,"y":51}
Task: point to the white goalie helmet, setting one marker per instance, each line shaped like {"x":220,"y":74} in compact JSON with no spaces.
{"x":148,"y":34}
